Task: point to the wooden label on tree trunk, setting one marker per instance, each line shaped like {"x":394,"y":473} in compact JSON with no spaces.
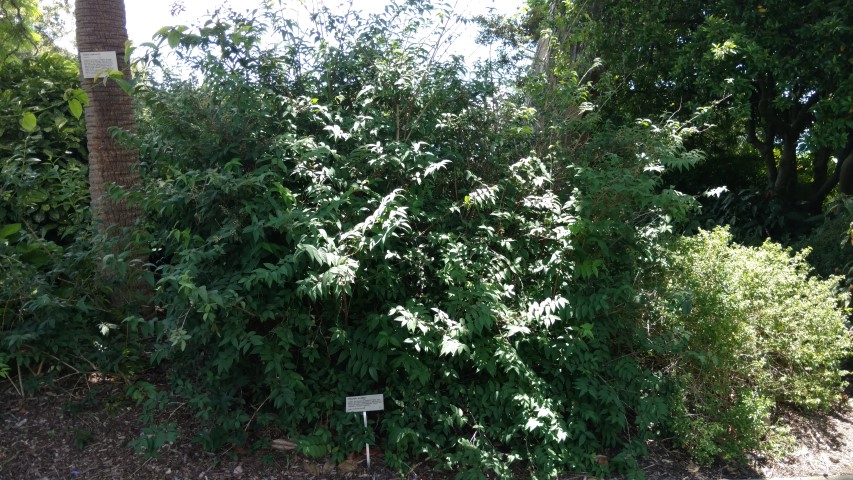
{"x":96,"y":63}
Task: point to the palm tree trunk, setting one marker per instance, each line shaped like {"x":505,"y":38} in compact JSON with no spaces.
{"x":101,"y":28}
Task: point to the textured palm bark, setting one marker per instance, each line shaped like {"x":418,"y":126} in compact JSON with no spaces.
{"x":100,"y":28}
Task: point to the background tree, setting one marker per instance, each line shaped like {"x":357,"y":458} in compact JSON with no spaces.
{"x":17,"y":32}
{"x":779,"y":75}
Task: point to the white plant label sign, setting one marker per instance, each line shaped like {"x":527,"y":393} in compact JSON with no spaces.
{"x":96,"y":63}
{"x":365,"y":403}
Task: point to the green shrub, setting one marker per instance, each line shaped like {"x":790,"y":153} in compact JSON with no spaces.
{"x":43,"y":185}
{"x":351,"y":216}
{"x":751,"y":328}
{"x":56,"y":313}
{"x":830,"y":251}
{"x":55,"y":304}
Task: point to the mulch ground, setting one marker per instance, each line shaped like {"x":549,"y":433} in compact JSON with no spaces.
{"x":81,"y":432}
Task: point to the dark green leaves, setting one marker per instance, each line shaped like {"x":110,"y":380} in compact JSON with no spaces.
{"x":8,"y":230}
{"x":336,"y":218}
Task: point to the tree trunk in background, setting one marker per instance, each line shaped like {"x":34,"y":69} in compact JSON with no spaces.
{"x":786,"y":179}
{"x":544,"y":61}
{"x":543,"y":48}
{"x":845,"y":181}
{"x":101,"y":27}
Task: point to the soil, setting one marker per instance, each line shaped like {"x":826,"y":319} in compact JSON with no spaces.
{"x":81,"y":431}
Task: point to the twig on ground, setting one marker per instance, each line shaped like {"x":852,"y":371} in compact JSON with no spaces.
{"x":246,"y":428}
{"x":140,"y":467}
{"x":19,"y":392}
{"x":20,"y":382}
{"x":180,"y":405}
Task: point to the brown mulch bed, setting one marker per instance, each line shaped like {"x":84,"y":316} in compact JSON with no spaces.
{"x":82,"y":432}
{"x":824,"y":447}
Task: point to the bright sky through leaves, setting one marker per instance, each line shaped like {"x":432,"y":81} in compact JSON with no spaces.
{"x":145,"y":17}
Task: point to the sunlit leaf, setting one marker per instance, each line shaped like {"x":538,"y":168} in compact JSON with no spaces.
{"x":75,"y":107}
{"x":28,"y":122}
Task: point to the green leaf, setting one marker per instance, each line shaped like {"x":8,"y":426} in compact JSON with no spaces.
{"x":123,"y":84}
{"x":8,"y":230}
{"x":128,"y":49}
{"x":174,"y":38}
{"x":28,"y":121}
{"x":75,"y":107}
{"x":451,"y":346}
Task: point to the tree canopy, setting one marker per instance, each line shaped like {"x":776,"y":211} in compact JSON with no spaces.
{"x":778,"y":75}
{"x":28,"y":27}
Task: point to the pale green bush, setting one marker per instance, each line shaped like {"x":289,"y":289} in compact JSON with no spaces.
{"x":750,"y":329}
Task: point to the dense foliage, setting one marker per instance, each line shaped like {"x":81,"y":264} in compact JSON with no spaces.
{"x":55,"y":304}
{"x":773,"y":78}
{"x":43,"y":184}
{"x":29,"y":27}
{"x":348,"y":212}
{"x":351,"y":216}
{"x":17,"y":32}
{"x":751,"y":329}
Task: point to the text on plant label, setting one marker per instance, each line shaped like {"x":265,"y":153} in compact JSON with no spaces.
{"x":96,"y":63}
{"x":365,"y":403}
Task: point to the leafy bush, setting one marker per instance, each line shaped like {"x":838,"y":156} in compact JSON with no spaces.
{"x":830,"y":251}
{"x":55,"y":310}
{"x":351,"y":216}
{"x":55,"y":304}
{"x":750,"y":329}
{"x":42,"y":154}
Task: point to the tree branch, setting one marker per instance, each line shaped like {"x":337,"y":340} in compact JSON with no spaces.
{"x":845,"y":158}
{"x":759,"y":110}
{"x":804,"y":115}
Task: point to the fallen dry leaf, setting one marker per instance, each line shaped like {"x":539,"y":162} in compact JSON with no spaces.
{"x":312,"y":468}
{"x":348,"y":465}
{"x":282,"y":445}
{"x":375,"y":451}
